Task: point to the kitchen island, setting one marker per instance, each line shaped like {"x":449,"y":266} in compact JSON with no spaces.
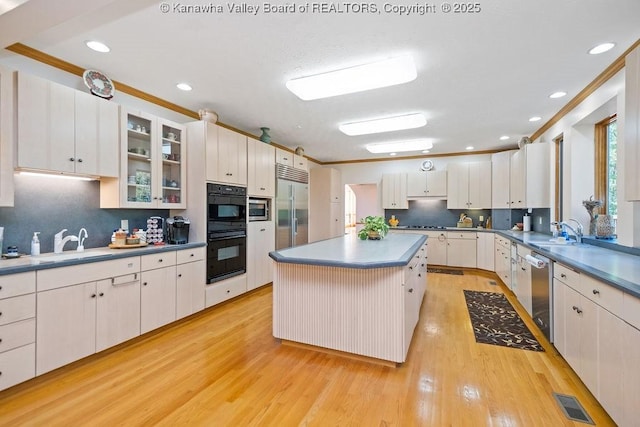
{"x":361,"y":297}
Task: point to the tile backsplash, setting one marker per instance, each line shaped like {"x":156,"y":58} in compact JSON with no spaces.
{"x":49,"y":204}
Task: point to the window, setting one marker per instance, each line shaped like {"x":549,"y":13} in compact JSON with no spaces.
{"x":606,"y":171}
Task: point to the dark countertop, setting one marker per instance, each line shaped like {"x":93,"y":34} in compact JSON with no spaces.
{"x":350,"y":252}
{"x":67,"y":258}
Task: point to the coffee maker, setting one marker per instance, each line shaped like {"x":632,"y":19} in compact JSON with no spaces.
{"x":177,"y":230}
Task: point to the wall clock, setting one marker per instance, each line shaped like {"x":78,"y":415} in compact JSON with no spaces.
{"x":99,"y":84}
{"x":426,"y":165}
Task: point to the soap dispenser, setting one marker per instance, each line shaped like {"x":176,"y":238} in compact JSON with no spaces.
{"x":35,"y":244}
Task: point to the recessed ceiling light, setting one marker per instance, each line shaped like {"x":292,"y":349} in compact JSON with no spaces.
{"x":391,"y":147}
{"x":601,"y":48}
{"x":535,"y":119}
{"x":184,"y":86}
{"x":558,"y":94}
{"x":504,"y":138}
{"x":97,"y":46}
{"x":355,"y":79}
{"x":393,"y":154}
{"x":425,"y":151}
{"x":387,"y":124}
{"x":470,"y":147}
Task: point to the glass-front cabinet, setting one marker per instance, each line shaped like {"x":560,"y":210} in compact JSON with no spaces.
{"x":152,"y":159}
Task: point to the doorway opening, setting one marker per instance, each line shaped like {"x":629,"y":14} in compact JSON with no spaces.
{"x":360,"y":200}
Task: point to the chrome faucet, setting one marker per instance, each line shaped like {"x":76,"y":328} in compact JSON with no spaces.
{"x":59,"y":242}
{"x":82,"y":239}
{"x":578,"y":231}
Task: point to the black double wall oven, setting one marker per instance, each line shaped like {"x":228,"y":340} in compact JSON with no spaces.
{"x":226,"y":231}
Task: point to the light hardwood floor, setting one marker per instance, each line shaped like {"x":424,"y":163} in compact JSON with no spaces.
{"x":223,"y":367}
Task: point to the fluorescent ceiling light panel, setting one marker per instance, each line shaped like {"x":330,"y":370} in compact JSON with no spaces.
{"x":375,"y":75}
{"x":558,"y":94}
{"x":535,"y":119}
{"x":387,"y":124}
{"x":393,"y":147}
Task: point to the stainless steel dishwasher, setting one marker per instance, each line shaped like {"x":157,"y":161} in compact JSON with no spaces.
{"x":542,"y":293}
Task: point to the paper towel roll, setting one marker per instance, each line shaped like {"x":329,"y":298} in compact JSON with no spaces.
{"x":537,"y":263}
{"x":526,"y":223}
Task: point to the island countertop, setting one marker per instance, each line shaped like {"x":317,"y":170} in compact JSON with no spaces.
{"x":350,"y":252}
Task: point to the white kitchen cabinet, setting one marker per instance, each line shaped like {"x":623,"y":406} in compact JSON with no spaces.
{"x":284,"y":157}
{"x":502,"y":259}
{"x":632,"y":125}
{"x":529,"y":177}
{"x":7,"y":115}
{"x":191,"y":279}
{"x":591,"y":338}
{"x":469,"y":185}
{"x":158,"y":290}
{"x":218,"y":292}
{"x":437,"y":242}
{"x":631,"y":375}
{"x":117,"y":310}
{"x":427,"y":184}
{"x":461,"y":249}
{"x":326,"y":212}
{"x":485,"y":251}
{"x":152,"y":164}
{"x":17,"y":328}
{"x":261,"y":169}
{"x":66,"y":325}
{"x":522,"y":288}
{"x":500,"y":180}
{"x":394,"y":191}
{"x":226,"y":153}
{"x":260,"y":241}
{"x":64,"y":130}
{"x":300,"y":162}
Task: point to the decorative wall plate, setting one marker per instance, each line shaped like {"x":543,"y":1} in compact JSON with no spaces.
{"x":99,"y":84}
{"x":426,"y":165}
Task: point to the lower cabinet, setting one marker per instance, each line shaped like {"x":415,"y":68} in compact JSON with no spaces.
{"x":437,"y":242}
{"x":191,"y":278}
{"x":118,"y":310}
{"x":595,"y":341}
{"x":157,"y":298}
{"x":485,"y":251}
{"x":218,"y":292}
{"x":17,"y":328}
{"x":461,"y":249}
{"x":261,"y":240}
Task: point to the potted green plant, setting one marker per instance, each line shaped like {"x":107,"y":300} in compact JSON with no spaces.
{"x":374,"y":228}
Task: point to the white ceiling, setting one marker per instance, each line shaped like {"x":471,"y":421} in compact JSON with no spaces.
{"x":480,"y":76}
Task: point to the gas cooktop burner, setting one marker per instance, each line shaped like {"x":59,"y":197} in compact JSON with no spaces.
{"x":428,"y":227}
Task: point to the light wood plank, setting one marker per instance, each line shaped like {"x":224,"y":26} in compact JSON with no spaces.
{"x":223,"y":367}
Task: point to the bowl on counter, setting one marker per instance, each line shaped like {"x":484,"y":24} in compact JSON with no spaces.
{"x":133,"y":241}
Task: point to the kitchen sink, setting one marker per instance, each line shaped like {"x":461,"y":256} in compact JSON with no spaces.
{"x":71,"y":255}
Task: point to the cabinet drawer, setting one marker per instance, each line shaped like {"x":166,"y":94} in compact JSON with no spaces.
{"x":90,"y":272}
{"x":604,"y":295}
{"x":17,"y":365}
{"x":17,"y":308}
{"x":189,"y":255}
{"x":631,"y":310}
{"x":153,"y":261}
{"x":566,"y":275}
{"x":17,"y":334}
{"x":227,"y":289}
{"x":17,"y":284}
{"x":462,"y":235}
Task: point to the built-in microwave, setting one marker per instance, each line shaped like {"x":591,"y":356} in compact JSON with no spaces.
{"x":259,"y":209}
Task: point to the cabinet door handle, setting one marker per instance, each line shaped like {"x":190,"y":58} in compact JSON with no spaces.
{"x":71,"y":159}
{"x":263,"y":229}
{"x":79,"y":160}
{"x":228,"y":291}
{"x":192,"y":255}
{"x":179,"y":275}
{"x":564,"y":276}
{"x":410,"y":290}
{"x":160,"y":260}
{"x":144,"y":284}
{"x":93,"y":295}
{"x":101,"y":294}
{"x":596,"y":292}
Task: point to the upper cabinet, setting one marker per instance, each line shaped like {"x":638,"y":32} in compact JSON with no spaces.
{"x":284,"y":157}
{"x":394,"y":191}
{"x":632,"y":125}
{"x":261,"y":168}
{"x":7,"y":114}
{"x":64,"y":130}
{"x":226,"y":156}
{"x":469,"y":185}
{"x":427,"y":184}
{"x":517,"y":180}
{"x":500,"y":179}
{"x":152,"y":164}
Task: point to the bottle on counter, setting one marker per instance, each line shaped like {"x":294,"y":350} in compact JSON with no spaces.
{"x":35,"y":244}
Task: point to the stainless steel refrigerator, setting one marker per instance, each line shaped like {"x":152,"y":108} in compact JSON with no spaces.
{"x":292,"y":206}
